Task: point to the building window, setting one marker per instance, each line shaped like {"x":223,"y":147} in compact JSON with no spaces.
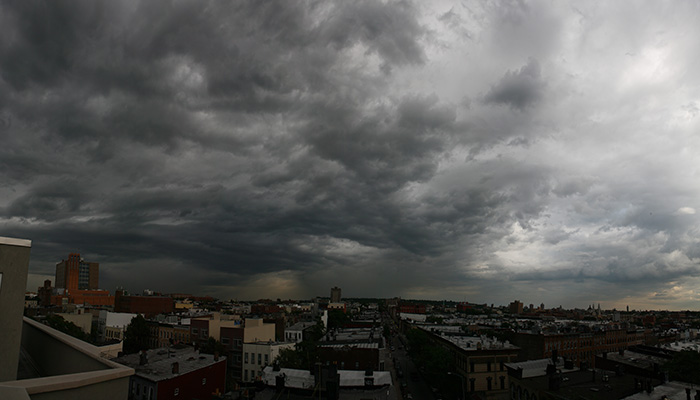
{"x":177,"y":391}
{"x":204,"y":381}
{"x":245,"y":375}
{"x":194,"y":331}
{"x":150,"y":393}
{"x":267,"y":359}
{"x":259,"y":358}
{"x":246,"y":358}
{"x":224,"y":340}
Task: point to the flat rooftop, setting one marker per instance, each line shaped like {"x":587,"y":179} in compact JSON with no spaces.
{"x":160,"y":362}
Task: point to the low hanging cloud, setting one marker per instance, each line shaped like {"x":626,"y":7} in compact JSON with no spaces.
{"x":518,"y":89}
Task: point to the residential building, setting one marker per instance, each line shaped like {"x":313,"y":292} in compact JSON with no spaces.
{"x":232,"y":334}
{"x":480,"y":361}
{"x":111,"y":325}
{"x":258,"y":355}
{"x":577,"y":346}
{"x":295,"y":333}
{"x":174,"y":374}
{"x":351,"y":356}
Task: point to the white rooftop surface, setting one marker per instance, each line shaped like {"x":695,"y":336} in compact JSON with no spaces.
{"x":673,"y":390}
{"x":302,"y":379}
{"x":352,"y":345}
{"x":679,"y":346}
{"x":160,"y":362}
{"x":414,"y":317}
{"x":471,"y":343}
{"x":538,"y":367}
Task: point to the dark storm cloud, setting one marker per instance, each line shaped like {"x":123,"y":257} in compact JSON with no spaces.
{"x":518,"y":89}
{"x":294,"y":144}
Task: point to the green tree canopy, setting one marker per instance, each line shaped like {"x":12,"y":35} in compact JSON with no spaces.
{"x":685,"y":366}
{"x":136,"y":335}
{"x":57,"y":322}
{"x":212,"y":346}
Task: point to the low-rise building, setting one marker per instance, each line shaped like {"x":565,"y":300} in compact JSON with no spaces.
{"x":258,"y":355}
{"x":163,"y":374}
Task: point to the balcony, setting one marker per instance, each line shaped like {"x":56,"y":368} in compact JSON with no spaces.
{"x":54,"y":365}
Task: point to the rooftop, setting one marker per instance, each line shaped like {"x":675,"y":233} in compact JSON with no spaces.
{"x":302,"y":378}
{"x":534,"y":368}
{"x":160,"y":362}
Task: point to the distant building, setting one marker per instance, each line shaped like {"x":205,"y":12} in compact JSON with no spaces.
{"x":175,"y":374}
{"x":149,"y":306}
{"x":516,"y":307}
{"x":77,"y":282}
{"x":335,"y":294}
{"x":410,"y":308}
{"x":77,"y":274}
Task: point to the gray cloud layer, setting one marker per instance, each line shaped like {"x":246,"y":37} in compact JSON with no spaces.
{"x":276,"y":149}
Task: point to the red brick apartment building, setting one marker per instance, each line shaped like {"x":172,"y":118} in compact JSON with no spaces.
{"x":576,"y":346}
{"x":408,"y":308}
{"x":149,"y":306}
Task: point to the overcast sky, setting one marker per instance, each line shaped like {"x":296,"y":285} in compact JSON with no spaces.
{"x":480,"y":151}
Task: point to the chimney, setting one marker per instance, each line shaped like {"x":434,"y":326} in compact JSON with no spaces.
{"x":176,"y":367}
{"x":143,"y":358}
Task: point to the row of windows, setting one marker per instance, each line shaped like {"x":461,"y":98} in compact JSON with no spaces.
{"x":252,"y":358}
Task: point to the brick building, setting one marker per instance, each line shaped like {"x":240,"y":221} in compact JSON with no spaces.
{"x":165,"y":374}
{"x":576,"y":346}
{"x":409,"y":308}
{"x":149,"y":306}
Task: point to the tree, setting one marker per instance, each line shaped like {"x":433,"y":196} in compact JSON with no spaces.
{"x":685,"y":366}
{"x":136,"y":335}
{"x":212,"y":346}
{"x":57,"y":322}
{"x":336,"y":319}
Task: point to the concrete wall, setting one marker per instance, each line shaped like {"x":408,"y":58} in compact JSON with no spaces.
{"x":14,"y":264}
{"x":56,"y":355}
{"x":257,"y":331}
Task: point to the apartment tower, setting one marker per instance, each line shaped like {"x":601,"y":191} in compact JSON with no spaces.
{"x":77,"y":274}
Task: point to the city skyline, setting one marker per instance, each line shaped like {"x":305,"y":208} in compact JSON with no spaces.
{"x":486,"y":152}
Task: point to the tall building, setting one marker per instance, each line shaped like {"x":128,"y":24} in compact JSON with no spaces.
{"x":77,"y":274}
{"x":335,"y":295}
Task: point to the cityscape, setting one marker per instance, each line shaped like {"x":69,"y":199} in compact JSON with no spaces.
{"x":70,"y":338}
{"x":349,"y":199}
